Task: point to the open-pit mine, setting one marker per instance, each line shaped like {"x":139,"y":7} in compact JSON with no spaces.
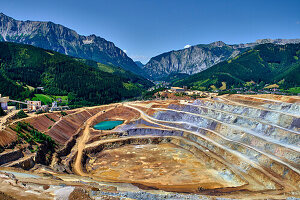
{"x":230,"y":146}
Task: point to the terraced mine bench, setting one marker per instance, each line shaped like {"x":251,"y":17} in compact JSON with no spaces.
{"x":227,"y":146}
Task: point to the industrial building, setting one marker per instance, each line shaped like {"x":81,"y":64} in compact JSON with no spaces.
{"x":177,"y":89}
{"x":3,"y":102}
{"x":33,"y":105}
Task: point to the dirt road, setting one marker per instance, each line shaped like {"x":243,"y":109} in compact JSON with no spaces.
{"x":82,"y":141}
{"x":3,"y":119}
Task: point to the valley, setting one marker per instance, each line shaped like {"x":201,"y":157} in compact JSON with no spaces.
{"x":208,"y":148}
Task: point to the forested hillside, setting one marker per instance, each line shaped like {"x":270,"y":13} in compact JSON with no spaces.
{"x":266,"y":63}
{"x":24,"y":67}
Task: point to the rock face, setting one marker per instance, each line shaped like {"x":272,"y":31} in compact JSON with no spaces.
{"x":254,"y":65}
{"x":138,"y":63}
{"x":230,"y":147}
{"x":49,"y":35}
{"x":257,"y":135}
{"x":278,"y":41}
{"x":200,"y":57}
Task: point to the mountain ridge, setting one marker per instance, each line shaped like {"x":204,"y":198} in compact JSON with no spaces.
{"x":266,"y":63}
{"x":56,"y":37}
{"x":199,"y":57}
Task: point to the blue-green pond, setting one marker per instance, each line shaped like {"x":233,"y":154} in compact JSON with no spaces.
{"x":107,"y":125}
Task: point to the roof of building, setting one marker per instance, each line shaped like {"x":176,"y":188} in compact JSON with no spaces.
{"x":4,"y":99}
{"x":177,"y":88}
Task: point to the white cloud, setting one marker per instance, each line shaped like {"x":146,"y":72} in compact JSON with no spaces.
{"x":187,"y":46}
{"x":125,"y":51}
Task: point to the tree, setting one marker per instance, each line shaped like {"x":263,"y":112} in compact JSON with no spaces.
{"x":2,"y":113}
{"x":21,"y":114}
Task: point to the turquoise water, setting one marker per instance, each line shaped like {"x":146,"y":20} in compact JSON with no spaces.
{"x":107,"y":125}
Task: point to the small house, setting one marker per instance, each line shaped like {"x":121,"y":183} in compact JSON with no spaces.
{"x":177,"y":89}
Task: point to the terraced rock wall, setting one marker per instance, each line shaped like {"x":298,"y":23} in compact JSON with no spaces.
{"x":257,"y":142}
{"x":248,"y":146}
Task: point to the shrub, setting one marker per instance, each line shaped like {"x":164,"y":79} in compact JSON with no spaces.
{"x":21,"y":114}
{"x":39,"y":112}
{"x":50,"y":118}
{"x":2,"y":113}
{"x":63,"y":113}
{"x":32,"y":136}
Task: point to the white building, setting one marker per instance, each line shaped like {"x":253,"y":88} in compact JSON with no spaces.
{"x":33,"y":105}
{"x":177,"y":89}
{"x":3,"y":102}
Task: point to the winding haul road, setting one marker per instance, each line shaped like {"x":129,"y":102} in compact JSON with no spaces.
{"x":82,"y":142}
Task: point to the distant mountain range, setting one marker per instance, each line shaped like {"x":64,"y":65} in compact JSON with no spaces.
{"x":200,"y":57}
{"x":169,"y":66}
{"x":266,"y":64}
{"x":49,"y":35}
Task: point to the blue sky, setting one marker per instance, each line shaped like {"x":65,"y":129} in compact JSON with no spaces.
{"x":146,"y":28}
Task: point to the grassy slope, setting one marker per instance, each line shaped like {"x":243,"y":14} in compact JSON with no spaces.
{"x":48,"y":99}
{"x":268,"y":63}
{"x":45,"y":99}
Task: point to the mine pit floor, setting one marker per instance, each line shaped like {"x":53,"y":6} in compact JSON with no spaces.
{"x":162,"y":166}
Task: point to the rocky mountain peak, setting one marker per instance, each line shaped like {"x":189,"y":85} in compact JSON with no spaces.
{"x":5,"y":18}
{"x":218,"y":44}
{"x":49,"y":35}
{"x":198,"y":58}
{"x":189,"y":61}
{"x":277,"y":41}
{"x":263,"y":41}
{"x":3,"y":15}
